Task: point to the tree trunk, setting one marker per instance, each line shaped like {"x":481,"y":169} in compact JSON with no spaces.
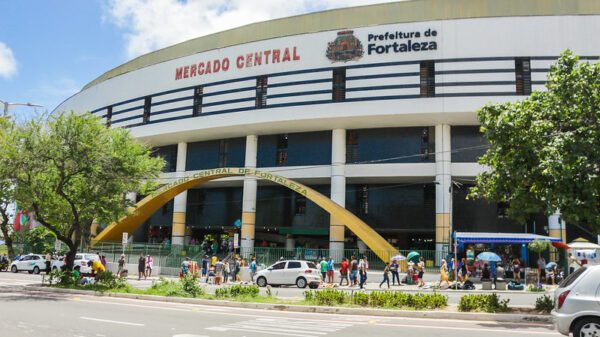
{"x":8,"y":241}
{"x":70,"y":257}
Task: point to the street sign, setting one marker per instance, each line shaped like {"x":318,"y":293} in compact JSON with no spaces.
{"x":236,"y":241}
{"x":125,"y":238}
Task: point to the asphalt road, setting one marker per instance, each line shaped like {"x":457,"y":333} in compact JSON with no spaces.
{"x":25,"y":313}
{"x":516,"y":298}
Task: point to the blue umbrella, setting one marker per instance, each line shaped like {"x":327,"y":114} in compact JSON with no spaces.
{"x":551,"y":265}
{"x":489,"y":256}
{"x":399,"y":258}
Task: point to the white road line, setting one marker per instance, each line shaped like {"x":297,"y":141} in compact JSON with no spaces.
{"x":111,"y":321}
{"x":261,"y":331}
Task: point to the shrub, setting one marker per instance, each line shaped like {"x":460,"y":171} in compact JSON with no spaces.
{"x":190,"y":286}
{"x":544,"y":303}
{"x":490,"y":303}
{"x":237,"y":291}
{"x":361,"y":299}
{"x":58,"y":276}
{"x":378,"y":299}
{"x":536,"y":288}
{"x":106,"y":279}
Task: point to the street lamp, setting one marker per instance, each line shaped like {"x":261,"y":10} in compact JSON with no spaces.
{"x":8,"y":105}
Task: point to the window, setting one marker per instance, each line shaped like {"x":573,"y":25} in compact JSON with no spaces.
{"x":427,"y":144}
{"x":300,"y":205}
{"x":223,"y":153}
{"x":427,"y":75}
{"x":279,"y":265}
{"x":339,"y":85}
{"x":147,"y":103}
{"x":294,"y":265}
{"x":352,"y":146}
{"x":362,"y":195}
{"x":311,"y":265}
{"x":198,"y":93}
{"x":109,"y":111}
{"x":282,"y":150}
{"x":523,"y":75}
{"x":261,"y":91}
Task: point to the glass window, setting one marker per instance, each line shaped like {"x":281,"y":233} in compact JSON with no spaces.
{"x":279,"y":265}
{"x":198,"y":94}
{"x":35,"y":257}
{"x":467,"y":143}
{"x":352,"y":146}
{"x":427,"y":144}
{"x":363,"y":199}
{"x":427,"y":76}
{"x":572,"y":277}
{"x":339,"y":85}
{"x":282,"y":150}
{"x":78,"y":257}
{"x":311,"y":265}
{"x":169,"y":155}
{"x":523,"y":75}
{"x":300,"y":204}
{"x":223,"y":153}
{"x":147,"y":104}
{"x":261,"y":91}
{"x":294,"y":265}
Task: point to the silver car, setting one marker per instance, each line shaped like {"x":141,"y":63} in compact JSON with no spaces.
{"x":577,"y":307}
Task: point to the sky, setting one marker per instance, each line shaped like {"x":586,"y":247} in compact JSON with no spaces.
{"x":50,"y":49}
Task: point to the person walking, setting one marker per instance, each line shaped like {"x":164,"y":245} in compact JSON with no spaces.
{"x":421,"y":271}
{"x":226,"y":271}
{"x":323,"y":265}
{"x":185,"y":266}
{"x":353,"y":271}
{"x":330,"y":270}
{"x":394,"y":266}
{"x":541,"y":263}
{"x":386,"y":276}
{"x":205,"y":262}
{"x":219,"y":268}
{"x":149,"y":265}
{"x":444,"y":274}
{"x":573,"y":264}
{"x":121,"y":265}
{"x":141,"y":267}
{"x":48,"y":263}
{"x":252,"y":269}
{"x":363,"y":267}
{"x":344,"y":272}
{"x":516,"y":264}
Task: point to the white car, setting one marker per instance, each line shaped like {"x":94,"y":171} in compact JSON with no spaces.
{"x":577,"y":307}
{"x":33,"y":263}
{"x":300,"y":273}
{"x":81,"y":262}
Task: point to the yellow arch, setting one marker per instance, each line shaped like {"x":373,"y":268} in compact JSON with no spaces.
{"x":146,"y":207}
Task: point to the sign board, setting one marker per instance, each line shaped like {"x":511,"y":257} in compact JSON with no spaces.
{"x":236,"y":241}
{"x":125,"y":238}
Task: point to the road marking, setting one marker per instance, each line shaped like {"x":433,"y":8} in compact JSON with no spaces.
{"x":284,"y":327}
{"x":110,"y":321}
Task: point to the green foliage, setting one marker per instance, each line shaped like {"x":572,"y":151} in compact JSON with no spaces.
{"x":7,"y":142}
{"x":490,"y":303}
{"x":377,"y":299}
{"x":536,"y":288}
{"x":539,"y":246}
{"x":190,"y":286}
{"x":545,"y":149}
{"x":39,"y":240}
{"x":237,"y":291}
{"x":544,"y":303}
{"x":58,"y":276}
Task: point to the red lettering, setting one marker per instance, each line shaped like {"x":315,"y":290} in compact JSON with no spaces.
{"x":216,"y":66}
{"x":201,"y":68}
{"x":208,"y":68}
{"x":248,"y":60}
{"x":186,"y":72}
{"x":258,"y":58}
{"x":240,"y":61}
{"x":286,"y":55}
{"x":225,"y":64}
{"x":276,"y":53}
{"x":296,"y":56}
{"x":267,"y":53}
{"x":178,"y":73}
{"x":193,"y":70}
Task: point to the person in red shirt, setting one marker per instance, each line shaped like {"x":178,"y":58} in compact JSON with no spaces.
{"x":344,"y":272}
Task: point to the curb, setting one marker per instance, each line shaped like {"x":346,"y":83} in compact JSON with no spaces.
{"x":499,"y":317}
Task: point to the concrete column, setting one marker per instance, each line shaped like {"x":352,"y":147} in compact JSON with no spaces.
{"x":556,"y":229}
{"x":180,"y":203}
{"x":249,"y":200}
{"x":338,"y":192}
{"x":443,"y":195}
{"x":290,"y":244}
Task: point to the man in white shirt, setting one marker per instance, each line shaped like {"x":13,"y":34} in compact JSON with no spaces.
{"x":363,"y":267}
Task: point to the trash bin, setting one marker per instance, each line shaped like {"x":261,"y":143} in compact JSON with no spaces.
{"x":500,"y":284}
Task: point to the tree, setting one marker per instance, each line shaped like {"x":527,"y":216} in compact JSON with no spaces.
{"x":72,"y":169}
{"x":7,"y":141}
{"x":544,"y":150}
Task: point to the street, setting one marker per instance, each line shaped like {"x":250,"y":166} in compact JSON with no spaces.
{"x":33,"y":313}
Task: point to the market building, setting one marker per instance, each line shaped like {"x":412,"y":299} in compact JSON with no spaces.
{"x":373,"y":106}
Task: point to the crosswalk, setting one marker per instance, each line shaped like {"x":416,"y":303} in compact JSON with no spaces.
{"x":285,"y":327}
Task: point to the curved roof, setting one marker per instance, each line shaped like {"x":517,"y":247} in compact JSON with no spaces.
{"x":396,"y":12}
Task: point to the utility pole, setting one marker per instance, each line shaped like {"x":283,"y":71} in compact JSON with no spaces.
{"x":8,"y":105}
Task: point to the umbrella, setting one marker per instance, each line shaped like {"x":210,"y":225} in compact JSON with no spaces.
{"x":413,"y":255}
{"x":489,"y":256}
{"x":399,"y":258}
{"x":551,"y":265}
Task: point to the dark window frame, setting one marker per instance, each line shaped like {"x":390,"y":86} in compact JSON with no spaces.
{"x":362,"y":194}
{"x":223,"y":150}
{"x":523,"y":75}
{"x":262,"y":84}
{"x":281,"y":158}
{"x":109,"y":113}
{"x":147,"y":105}
{"x":427,"y":78}
{"x":198,"y":97}
{"x":338,"y":84}
{"x":427,"y":144}
{"x":300,"y":205}
{"x":352,"y":149}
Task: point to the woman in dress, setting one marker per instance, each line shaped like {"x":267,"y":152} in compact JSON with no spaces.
{"x":444,"y":274}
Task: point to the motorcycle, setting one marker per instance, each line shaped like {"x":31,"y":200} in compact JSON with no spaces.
{"x":3,"y":266}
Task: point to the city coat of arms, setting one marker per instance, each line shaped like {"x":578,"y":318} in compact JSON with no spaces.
{"x":346,"y":47}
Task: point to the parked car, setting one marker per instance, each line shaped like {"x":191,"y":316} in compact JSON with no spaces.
{"x":300,"y":273}
{"x":82,"y":262}
{"x":33,"y":263}
{"x":577,"y":307}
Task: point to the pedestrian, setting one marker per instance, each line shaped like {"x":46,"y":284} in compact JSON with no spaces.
{"x":149,"y":265}
{"x":323,"y":265}
{"x":386,"y":275}
{"x":421,"y":271}
{"x":463,"y":270}
{"x":252,"y":268}
{"x":205,"y":264}
{"x":185,"y":267}
{"x":226,"y":271}
{"x":103,"y":260}
{"x":394,"y":266}
{"x":363,"y":267}
{"x":330,"y":270}
{"x":573,"y":264}
{"x":141,"y":267}
{"x":444,"y":274}
{"x":486,"y":275}
{"x":541,"y":263}
{"x":48,"y":263}
{"x":516,"y":264}
{"x":353,"y":271}
{"x":219,"y":268}
{"x":121,"y":265}
{"x":344,"y":272}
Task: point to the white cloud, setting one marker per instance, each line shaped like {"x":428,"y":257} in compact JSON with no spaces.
{"x":8,"y":63}
{"x":154,"y":24}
